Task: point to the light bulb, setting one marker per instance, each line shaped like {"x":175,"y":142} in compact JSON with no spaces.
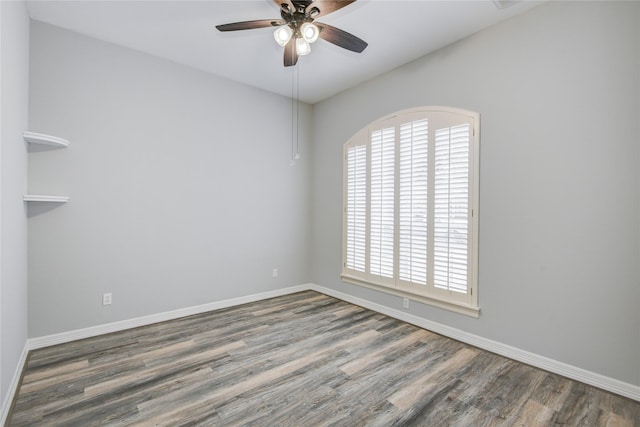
{"x":309,"y":32}
{"x":282,"y":35}
{"x":302,"y":47}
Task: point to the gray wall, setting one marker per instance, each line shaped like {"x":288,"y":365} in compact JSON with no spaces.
{"x":180,"y":184}
{"x":558,"y":90}
{"x":14,"y":29}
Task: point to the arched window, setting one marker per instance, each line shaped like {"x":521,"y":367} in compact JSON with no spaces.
{"x":410,"y":222}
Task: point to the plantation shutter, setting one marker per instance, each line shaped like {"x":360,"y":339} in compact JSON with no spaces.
{"x":410,"y":191}
{"x":356,"y":207}
{"x":413,"y":201}
{"x":382,"y":202}
{"x":451,"y":208}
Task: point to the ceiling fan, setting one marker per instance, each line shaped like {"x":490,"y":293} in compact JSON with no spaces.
{"x":296,"y":29}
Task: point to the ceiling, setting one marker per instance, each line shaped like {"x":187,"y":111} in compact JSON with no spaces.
{"x":184,"y":31}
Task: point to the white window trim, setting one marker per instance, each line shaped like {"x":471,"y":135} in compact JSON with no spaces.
{"x":466,"y":304}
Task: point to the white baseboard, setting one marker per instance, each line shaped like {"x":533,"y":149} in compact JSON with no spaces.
{"x":606,"y":383}
{"x":49,"y":340}
{"x":597,"y":380}
{"x":13,"y":387}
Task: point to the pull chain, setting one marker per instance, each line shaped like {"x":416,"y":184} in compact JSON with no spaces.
{"x":295,"y":114}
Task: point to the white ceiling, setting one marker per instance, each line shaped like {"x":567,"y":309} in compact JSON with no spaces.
{"x":184,"y":31}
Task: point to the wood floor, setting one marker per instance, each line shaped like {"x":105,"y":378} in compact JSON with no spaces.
{"x":304,"y":359}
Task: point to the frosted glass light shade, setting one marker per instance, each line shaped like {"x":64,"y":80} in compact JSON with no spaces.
{"x":283,"y":35}
{"x":309,"y":32}
{"x":302,"y":47}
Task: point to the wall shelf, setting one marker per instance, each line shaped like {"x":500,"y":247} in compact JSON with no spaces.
{"x":42,"y":139}
{"x":44,"y":198}
{"x":51,"y":141}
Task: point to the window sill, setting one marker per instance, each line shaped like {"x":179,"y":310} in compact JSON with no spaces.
{"x":467,"y":310}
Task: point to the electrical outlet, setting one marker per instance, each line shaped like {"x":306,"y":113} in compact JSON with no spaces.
{"x":405,"y":302}
{"x":106,"y":299}
{"x":275,"y":272}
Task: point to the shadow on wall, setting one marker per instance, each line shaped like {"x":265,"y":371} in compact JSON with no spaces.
{"x":34,"y":209}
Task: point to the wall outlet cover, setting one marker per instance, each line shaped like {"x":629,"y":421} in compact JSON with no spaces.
{"x":106,"y":299}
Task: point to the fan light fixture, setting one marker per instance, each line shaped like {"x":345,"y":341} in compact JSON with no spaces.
{"x":302,"y":47}
{"x":282,"y":35}
{"x":307,"y":34}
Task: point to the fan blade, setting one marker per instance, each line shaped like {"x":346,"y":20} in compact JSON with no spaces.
{"x":341,"y":38}
{"x":249,"y":25}
{"x":324,"y":7}
{"x":290,"y":53}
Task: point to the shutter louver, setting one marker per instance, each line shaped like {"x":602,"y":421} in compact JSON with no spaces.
{"x":382,"y":202}
{"x":356,"y":207}
{"x":451,"y":208}
{"x":413,"y":203}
